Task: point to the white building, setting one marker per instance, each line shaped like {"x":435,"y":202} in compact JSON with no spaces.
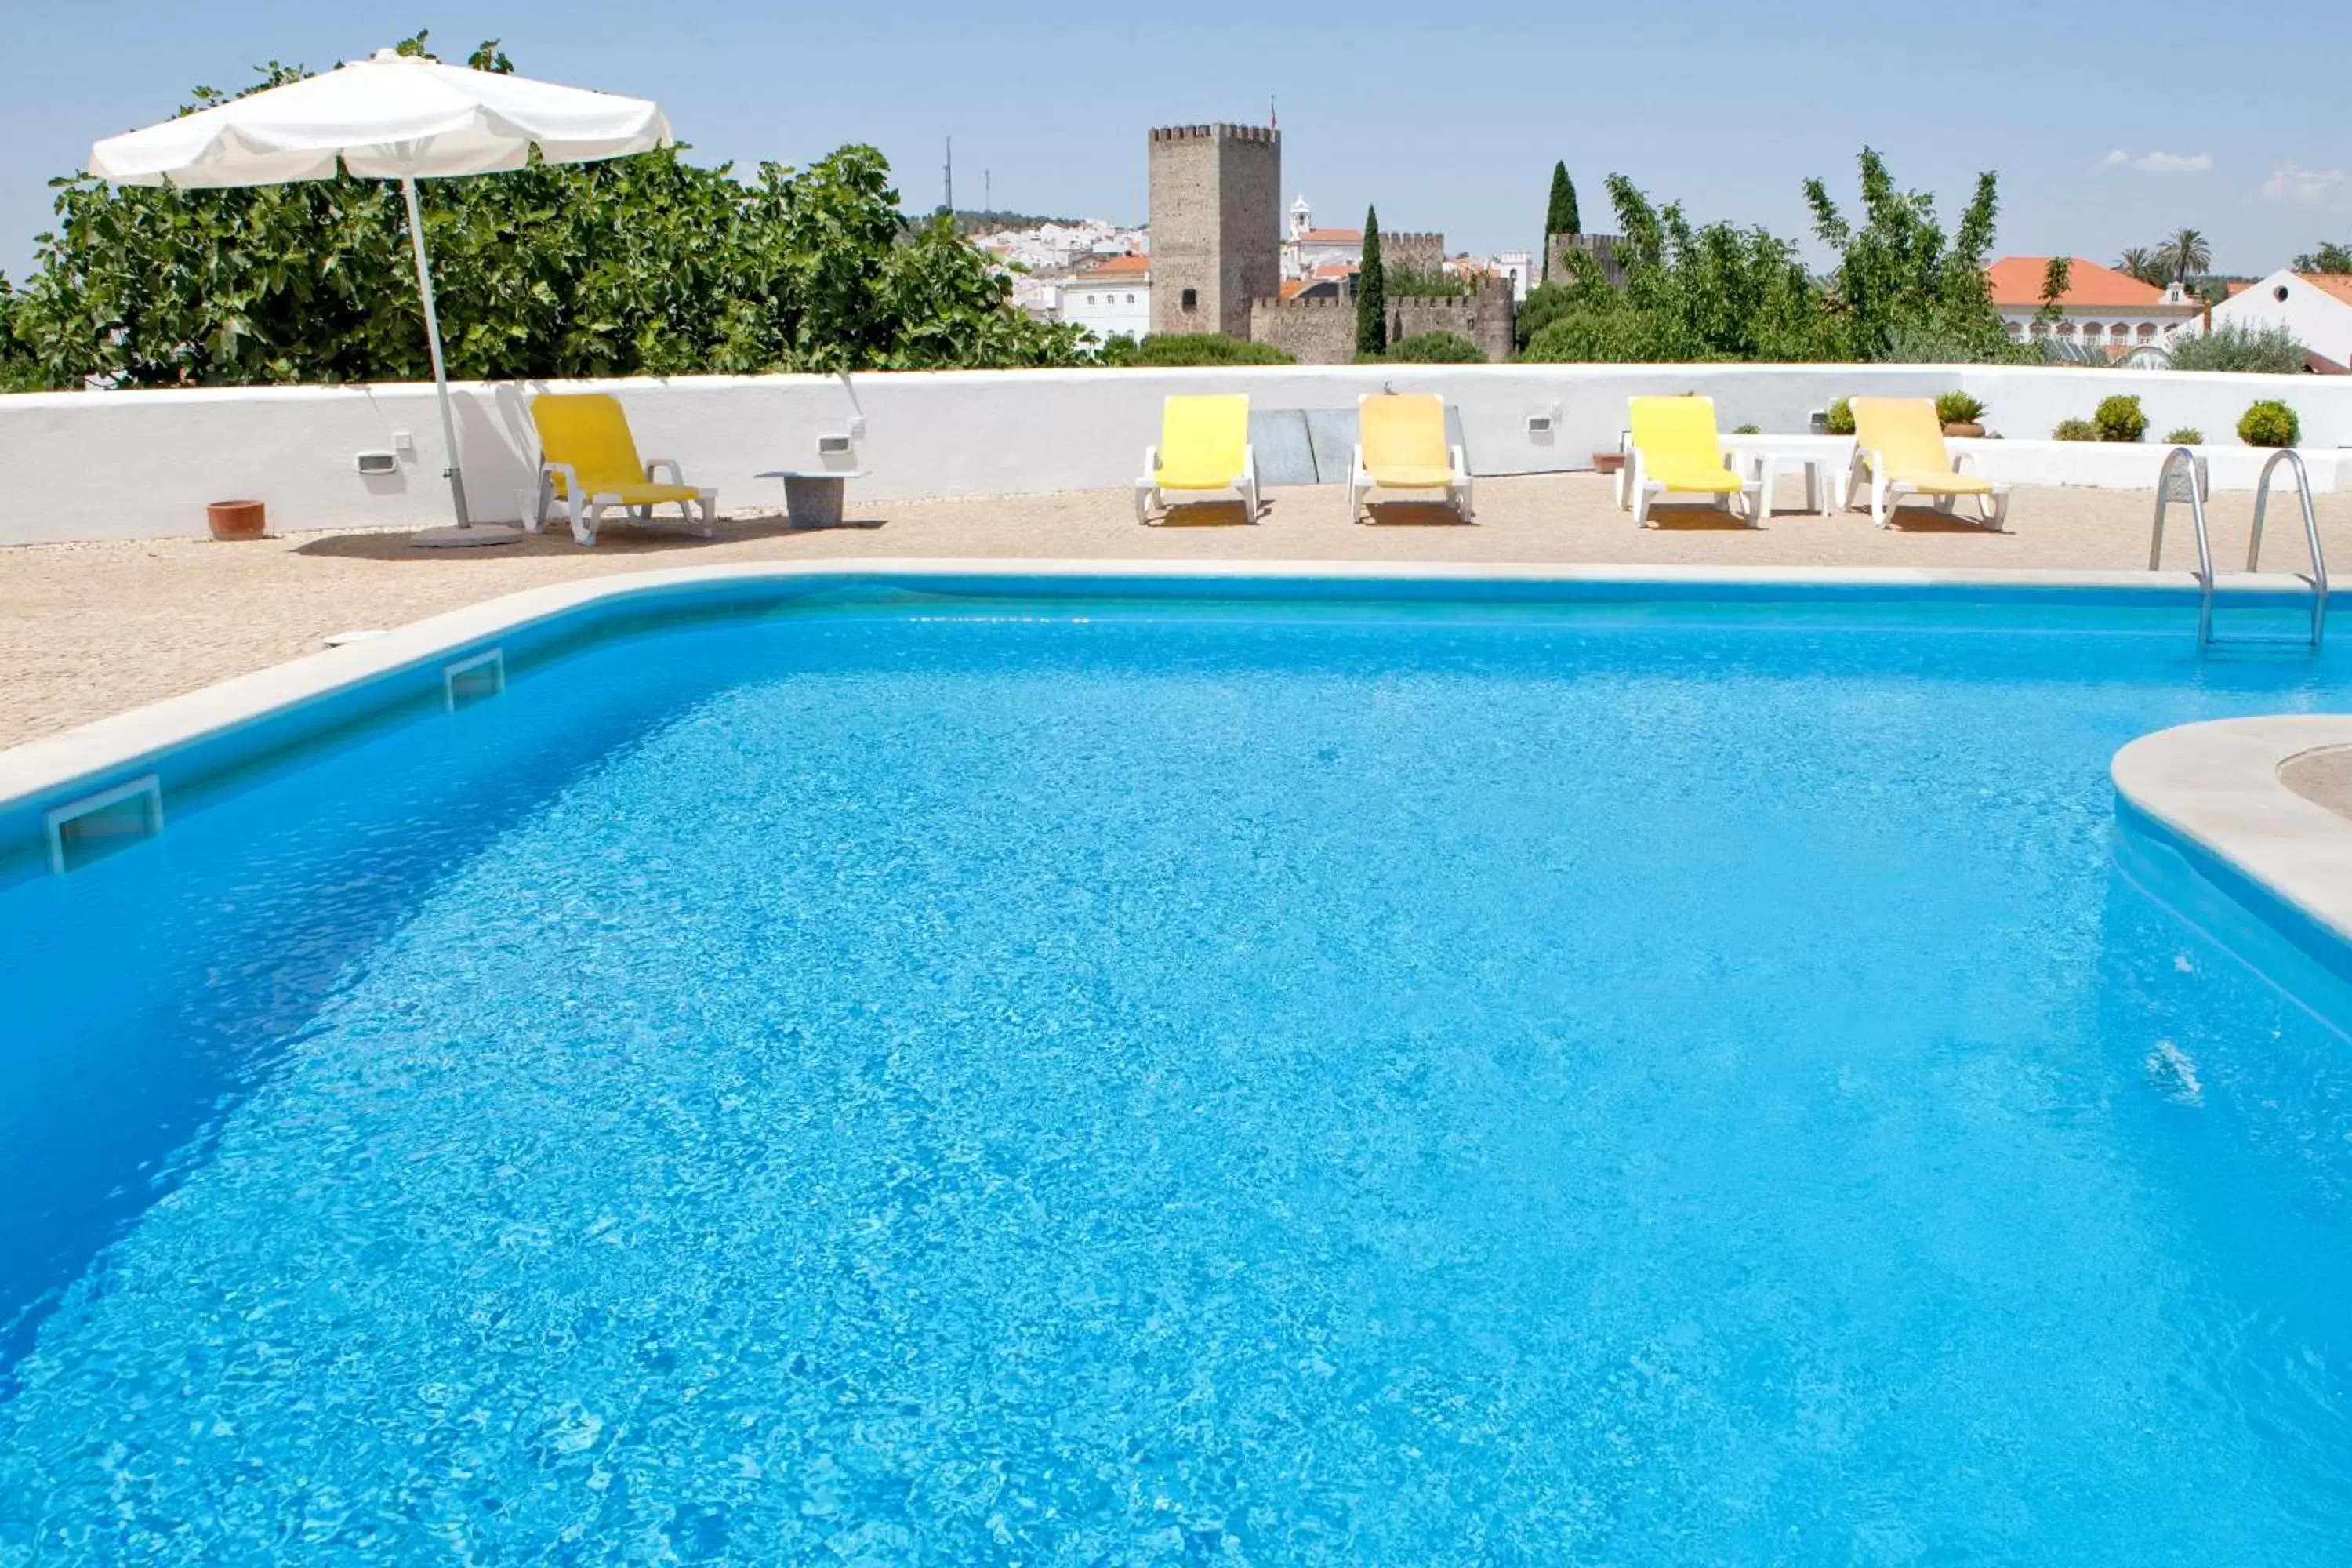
{"x":1306,"y":250}
{"x":1113,"y":298}
{"x":2316,"y":307}
{"x":1510,"y":265}
{"x":1516,"y":264}
{"x":2102,"y":308}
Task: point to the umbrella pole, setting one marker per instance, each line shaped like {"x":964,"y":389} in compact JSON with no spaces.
{"x":465,"y":534}
{"x":433,"y":340}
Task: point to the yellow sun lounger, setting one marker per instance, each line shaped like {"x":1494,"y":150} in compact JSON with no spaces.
{"x":1204,"y":446}
{"x":589,"y":461}
{"x":1899,"y":445}
{"x":1676,"y":452}
{"x":1401,"y":446}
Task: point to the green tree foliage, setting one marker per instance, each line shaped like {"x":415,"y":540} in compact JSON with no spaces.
{"x":2184,"y":436}
{"x":1560,"y":211}
{"x":2185,"y":253}
{"x":1411,"y":283}
{"x":2330,"y":257}
{"x":2144,"y":264}
{"x":1436,"y":348}
{"x":19,"y":371}
{"x":2076,"y":430}
{"x":648,"y":265}
{"x":1898,"y":274}
{"x":1712,"y":293}
{"x":1191,"y":349}
{"x":1545,"y":303}
{"x":2272,"y":351}
{"x":1371,"y":293}
{"x":2057,"y":276}
{"x":2270,"y":423}
{"x":1902,"y":288}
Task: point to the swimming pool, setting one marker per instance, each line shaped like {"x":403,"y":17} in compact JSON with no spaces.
{"x":1068,"y":1079}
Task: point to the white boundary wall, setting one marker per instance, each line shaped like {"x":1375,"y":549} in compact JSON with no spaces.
{"x":128,"y":465}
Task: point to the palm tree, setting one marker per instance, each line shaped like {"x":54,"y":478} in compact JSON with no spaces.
{"x":2330,"y":257}
{"x":2187,"y":252}
{"x":2144,"y":264}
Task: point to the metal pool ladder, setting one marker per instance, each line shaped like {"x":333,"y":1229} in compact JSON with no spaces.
{"x":2183,"y":461}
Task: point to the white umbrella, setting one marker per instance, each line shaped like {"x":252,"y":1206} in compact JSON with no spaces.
{"x":394,"y":117}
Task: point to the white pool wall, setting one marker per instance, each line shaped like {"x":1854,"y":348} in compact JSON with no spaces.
{"x":134,"y":465}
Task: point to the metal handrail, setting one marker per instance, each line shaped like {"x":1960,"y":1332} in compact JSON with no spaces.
{"x":2294,"y":459}
{"x":2187,"y":459}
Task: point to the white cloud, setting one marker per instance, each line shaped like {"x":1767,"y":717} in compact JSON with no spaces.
{"x":2308,"y":187}
{"x":2160,"y":163}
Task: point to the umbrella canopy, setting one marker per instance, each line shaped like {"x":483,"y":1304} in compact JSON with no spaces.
{"x":394,"y":117}
{"x":390,"y":117}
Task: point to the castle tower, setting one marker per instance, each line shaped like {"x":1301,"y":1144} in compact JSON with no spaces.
{"x":1216,"y":226}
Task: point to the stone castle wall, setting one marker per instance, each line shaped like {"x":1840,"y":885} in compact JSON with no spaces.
{"x":1601,"y":247}
{"x":1412,"y":252}
{"x":1216,"y":226}
{"x":1323,"y":331}
{"x":1312,"y":332}
{"x":1487,"y":316}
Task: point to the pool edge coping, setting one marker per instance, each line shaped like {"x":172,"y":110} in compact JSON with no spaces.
{"x":48,"y":764}
{"x":2214,"y":786}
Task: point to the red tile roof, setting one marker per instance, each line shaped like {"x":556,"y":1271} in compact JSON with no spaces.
{"x":2337,"y":283}
{"x":1337,"y":269}
{"x":1332,"y":237}
{"x":1134,"y":264}
{"x":2016,"y":283}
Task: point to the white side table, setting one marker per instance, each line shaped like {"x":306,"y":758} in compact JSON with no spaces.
{"x":813,"y":496}
{"x":1824,"y":459}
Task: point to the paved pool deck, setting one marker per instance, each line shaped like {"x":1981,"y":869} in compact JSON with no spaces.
{"x":93,"y":629}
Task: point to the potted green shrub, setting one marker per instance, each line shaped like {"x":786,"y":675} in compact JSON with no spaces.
{"x":1960,"y":415}
{"x":1841,"y":418}
{"x":2270,"y":423}
{"x":2120,"y":418}
{"x":2074,"y":430}
{"x":2187,"y":435}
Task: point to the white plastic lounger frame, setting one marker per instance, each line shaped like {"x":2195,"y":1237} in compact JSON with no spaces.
{"x":1150,"y":498}
{"x":1885,"y":495}
{"x":1637,"y":490}
{"x":584,"y":524}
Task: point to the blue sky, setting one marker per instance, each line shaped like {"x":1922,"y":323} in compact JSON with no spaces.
{"x":2232,"y":122}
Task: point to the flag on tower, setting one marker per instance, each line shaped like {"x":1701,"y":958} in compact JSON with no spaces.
{"x":1271,"y":123}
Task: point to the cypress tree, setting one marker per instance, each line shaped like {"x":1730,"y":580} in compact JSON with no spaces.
{"x":1371,"y":293}
{"x":1560,"y":213}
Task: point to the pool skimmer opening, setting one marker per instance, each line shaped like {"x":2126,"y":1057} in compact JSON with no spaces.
{"x":98,"y":825}
{"x":469,"y":680}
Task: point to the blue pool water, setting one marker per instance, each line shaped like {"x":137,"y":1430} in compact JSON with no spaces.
{"x":1601,"y":1086}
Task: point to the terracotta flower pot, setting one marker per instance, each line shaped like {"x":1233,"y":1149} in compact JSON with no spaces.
{"x":1608,"y":462}
{"x":236,"y":520}
{"x":1969,"y":431}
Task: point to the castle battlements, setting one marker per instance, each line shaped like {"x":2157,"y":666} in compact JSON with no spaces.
{"x":1219,"y":131}
{"x":1315,"y":303}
